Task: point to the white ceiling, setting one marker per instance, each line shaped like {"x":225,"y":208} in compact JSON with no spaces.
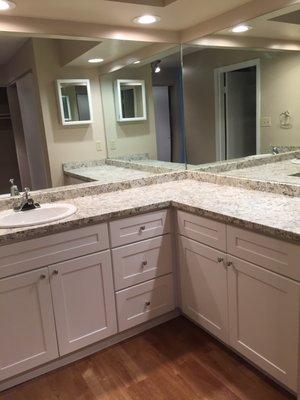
{"x":263,"y":27}
{"x":8,"y":46}
{"x":109,"y":50}
{"x":178,"y":15}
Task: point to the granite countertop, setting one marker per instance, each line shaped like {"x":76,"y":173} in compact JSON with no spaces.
{"x":268,"y":213}
{"x":279,"y":172}
{"x":106,"y":173}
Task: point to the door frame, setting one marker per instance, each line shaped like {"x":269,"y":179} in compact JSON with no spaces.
{"x":219,"y":104}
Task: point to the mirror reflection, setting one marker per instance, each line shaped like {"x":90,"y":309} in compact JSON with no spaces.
{"x":241,"y":92}
{"x":75,"y":101}
{"x":74,"y":111}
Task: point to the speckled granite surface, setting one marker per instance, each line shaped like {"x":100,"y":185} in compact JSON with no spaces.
{"x":268,"y":213}
{"x":279,"y":172}
{"x":107,"y":173}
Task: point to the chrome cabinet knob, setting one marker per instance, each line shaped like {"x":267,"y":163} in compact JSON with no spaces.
{"x":229,"y":264}
{"x":220,"y":259}
{"x":144,"y":263}
{"x":55,"y":272}
{"x":43,"y":276}
{"x":147,"y":303}
{"x":142,"y":228}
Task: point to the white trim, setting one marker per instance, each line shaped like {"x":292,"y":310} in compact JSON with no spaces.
{"x":83,"y":82}
{"x":219,"y":104}
{"x":118,"y":100}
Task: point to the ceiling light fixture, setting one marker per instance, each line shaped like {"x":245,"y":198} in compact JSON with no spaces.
{"x":95,"y":60}
{"x":146,"y":19}
{"x":241,"y":28}
{"x":6,"y":5}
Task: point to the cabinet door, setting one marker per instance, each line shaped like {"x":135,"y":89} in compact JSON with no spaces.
{"x":84,"y":302}
{"x":204,"y":286}
{"x":27,"y":332}
{"x":264,"y":319}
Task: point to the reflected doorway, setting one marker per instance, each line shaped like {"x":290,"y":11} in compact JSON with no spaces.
{"x":237,"y":94}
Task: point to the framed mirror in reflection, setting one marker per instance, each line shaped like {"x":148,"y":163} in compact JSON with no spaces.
{"x":74,"y":97}
{"x":130,"y":100}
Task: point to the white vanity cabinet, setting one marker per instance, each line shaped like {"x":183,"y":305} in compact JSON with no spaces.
{"x":143,"y":270}
{"x":27,"y":328}
{"x":83,"y":300}
{"x":204,"y":286}
{"x":251,"y":304}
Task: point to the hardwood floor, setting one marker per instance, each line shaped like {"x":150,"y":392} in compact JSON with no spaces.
{"x":174,"y":361}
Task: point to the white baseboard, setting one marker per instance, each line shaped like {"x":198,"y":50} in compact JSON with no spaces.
{"x":70,"y":358}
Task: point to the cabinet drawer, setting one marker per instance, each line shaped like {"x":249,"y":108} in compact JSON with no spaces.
{"x":276,"y":255}
{"x":35,"y":253}
{"x":134,"y":229}
{"x":142,"y":261}
{"x":145,"y":301}
{"x":203,"y":230}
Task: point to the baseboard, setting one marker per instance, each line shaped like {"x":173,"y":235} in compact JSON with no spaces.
{"x":87,"y":351}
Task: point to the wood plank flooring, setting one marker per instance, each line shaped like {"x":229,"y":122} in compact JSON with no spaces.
{"x":174,"y":361}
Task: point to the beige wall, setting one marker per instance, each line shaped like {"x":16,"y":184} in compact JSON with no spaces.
{"x":280,"y":73}
{"x":130,"y":138}
{"x":66,"y":143}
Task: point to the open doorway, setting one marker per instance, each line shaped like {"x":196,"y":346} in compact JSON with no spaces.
{"x":237,"y":95}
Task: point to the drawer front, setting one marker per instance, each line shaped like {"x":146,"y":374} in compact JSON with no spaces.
{"x":134,"y":229}
{"x":142,"y":261}
{"x":273,"y":254}
{"x":145,"y":301}
{"x":36,"y":253}
{"x":203,"y":230}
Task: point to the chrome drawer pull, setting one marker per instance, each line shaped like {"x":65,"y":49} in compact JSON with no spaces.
{"x":144,"y":263}
{"x":142,"y":228}
{"x":147,"y":304}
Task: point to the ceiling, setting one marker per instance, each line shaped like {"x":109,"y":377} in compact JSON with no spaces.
{"x":109,"y":50}
{"x":176,"y":15}
{"x":8,"y":46}
{"x":284,"y":27}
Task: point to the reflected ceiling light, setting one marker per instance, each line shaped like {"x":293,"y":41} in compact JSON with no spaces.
{"x":157,"y":69}
{"x":241,"y":28}
{"x":146,"y":19}
{"x":94,"y":60}
{"x":136,"y":62}
{"x":6,"y":5}
{"x":156,"y":66}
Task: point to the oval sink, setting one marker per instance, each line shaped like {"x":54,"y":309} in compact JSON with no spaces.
{"x":46,"y":214}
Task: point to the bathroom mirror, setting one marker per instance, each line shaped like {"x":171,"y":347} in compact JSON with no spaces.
{"x":74,"y":97}
{"x":241,"y":90}
{"x":130,"y":100}
{"x":58,"y":119}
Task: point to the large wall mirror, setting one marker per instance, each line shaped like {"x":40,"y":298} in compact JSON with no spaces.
{"x":241,"y":90}
{"x":74,"y":111}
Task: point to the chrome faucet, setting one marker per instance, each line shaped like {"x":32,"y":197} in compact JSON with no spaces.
{"x":275,"y":150}
{"x":27,"y":202}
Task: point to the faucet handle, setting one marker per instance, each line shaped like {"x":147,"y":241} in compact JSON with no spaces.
{"x":26,"y":193}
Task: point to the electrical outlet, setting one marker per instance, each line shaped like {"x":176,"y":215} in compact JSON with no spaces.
{"x":113,"y":145}
{"x":266,"y":122}
{"x":98,"y":146}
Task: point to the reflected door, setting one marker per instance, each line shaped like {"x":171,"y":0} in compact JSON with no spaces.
{"x":162,"y":123}
{"x":240,"y":112}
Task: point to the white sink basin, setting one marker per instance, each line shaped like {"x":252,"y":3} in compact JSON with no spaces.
{"x":47,"y":213}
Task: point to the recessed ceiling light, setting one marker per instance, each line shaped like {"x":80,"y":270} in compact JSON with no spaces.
{"x":136,"y":62}
{"x":6,"y":5}
{"x":146,"y":19}
{"x":95,"y":60}
{"x":241,"y":28}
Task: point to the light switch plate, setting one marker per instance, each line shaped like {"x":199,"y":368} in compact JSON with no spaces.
{"x":113,"y":145}
{"x":266,"y":122}
{"x":98,"y":146}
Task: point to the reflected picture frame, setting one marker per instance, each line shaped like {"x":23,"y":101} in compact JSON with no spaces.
{"x":64,"y":102}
